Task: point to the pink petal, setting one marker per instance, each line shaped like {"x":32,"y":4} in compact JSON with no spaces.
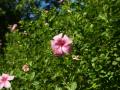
{"x":7,"y":84}
{"x":5,"y":75}
{"x":1,"y":85}
{"x":0,"y":77}
{"x":66,"y":49}
{"x":67,"y":40}
{"x":10,"y":77}
{"x":58,"y":36}
{"x":58,"y":51}
{"x":53,"y":45}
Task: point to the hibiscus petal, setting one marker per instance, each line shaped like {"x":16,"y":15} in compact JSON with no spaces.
{"x":7,"y":84}
{"x":10,"y":77}
{"x":58,"y":36}
{"x":53,"y":45}
{"x":5,"y":75}
{"x":66,"y":49}
{"x":67,"y":40}
{"x":58,"y":51}
{"x":1,"y":85}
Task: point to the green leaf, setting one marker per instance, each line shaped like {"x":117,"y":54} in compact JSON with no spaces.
{"x":118,"y":59}
{"x":32,"y":75}
{"x":35,"y":83}
{"x":72,"y":86}
{"x":58,"y":88}
{"x":114,"y":63}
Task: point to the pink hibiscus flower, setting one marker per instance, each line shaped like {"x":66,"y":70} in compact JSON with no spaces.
{"x":4,"y":81}
{"x":61,"y":44}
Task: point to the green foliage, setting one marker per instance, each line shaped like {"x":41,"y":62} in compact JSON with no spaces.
{"x":95,"y":32}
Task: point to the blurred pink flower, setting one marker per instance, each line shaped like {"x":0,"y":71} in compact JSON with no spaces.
{"x":25,"y":68}
{"x":60,"y":1}
{"x":61,"y":44}
{"x":12,"y":27}
{"x":4,"y":81}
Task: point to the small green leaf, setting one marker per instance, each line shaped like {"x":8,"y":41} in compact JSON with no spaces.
{"x":32,"y":76}
{"x":35,"y":83}
{"x":118,"y":59}
{"x":72,"y":86}
{"x":58,"y":88}
{"x":114,"y":63}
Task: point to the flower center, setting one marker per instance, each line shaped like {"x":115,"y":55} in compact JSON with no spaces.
{"x":4,"y":79}
{"x":60,"y":42}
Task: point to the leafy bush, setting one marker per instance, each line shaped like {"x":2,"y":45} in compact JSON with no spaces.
{"x":94,"y":28}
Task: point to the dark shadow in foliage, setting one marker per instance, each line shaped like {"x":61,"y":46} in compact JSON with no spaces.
{"x":8,"y":16}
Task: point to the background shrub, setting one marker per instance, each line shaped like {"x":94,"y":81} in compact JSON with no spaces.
{"x":94,"y":27}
